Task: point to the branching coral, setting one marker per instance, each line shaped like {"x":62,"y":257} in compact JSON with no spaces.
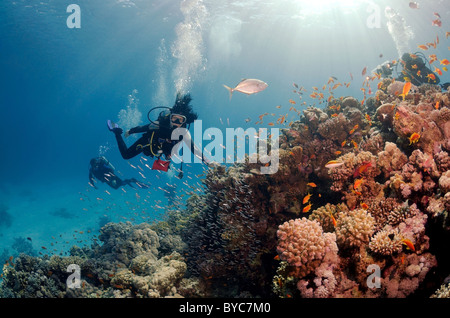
{"x":380,"y":209}
{"x":355,"y":166}
{"x":386,"y":242}
{"x":325,"y":215}
{"x":304,"y":246}
{"x":354,"y":228}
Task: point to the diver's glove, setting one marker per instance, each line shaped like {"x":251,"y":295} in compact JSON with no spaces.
{"x":180,"y":175}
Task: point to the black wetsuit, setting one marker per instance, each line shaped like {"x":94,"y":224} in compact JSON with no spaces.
{"x":102,"y":170}
{"x":411,"y":67}
{"x":154,"y":142}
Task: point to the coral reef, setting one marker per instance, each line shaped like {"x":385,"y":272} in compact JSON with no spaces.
{"x":359,"y":207}
{"x":126,"y":264}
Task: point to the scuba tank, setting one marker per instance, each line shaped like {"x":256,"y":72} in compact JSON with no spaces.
{"x":162,"y":121}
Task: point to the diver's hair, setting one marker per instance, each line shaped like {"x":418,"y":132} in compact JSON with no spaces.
{"x":182,"y":106}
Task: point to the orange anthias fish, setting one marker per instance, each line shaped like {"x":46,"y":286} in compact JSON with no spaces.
{"x":357,"y":184}
{"x":406,"y":89}
{"x":437,"y":105}
{"x":364,"y":71}
{"x":436,"y":70}
{"x":353,"y":129}
{"x":433,"y":58}
{"x":409,"y":244}
{"x":423,"y":47}
{"x":307,"y":208}
{"x":414,"y":138}
{"x":311,"y":184}
{"x":306,"y":198}
{"x":333,"y":220}
{"x":431,"y":76}
{"x":362,"y":168}
{"x":437,"y":23}
{"x":445,"y":62}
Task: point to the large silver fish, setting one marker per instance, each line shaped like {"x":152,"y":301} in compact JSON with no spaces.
{"x":248,"y":86}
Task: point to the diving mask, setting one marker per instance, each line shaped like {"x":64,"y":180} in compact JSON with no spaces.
{"x":177,"y":120}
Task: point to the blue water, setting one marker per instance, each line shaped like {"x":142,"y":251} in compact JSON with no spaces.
{"x":59,"y":85}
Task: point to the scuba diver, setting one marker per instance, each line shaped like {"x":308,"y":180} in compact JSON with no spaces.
{"x":416,"y":69}
{"x":103,"y":170}
{"x":156,"y":139}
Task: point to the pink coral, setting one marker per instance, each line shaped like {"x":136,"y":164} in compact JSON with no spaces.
{"x":405,"y":282}
{"x":391,"y":159}
{"x":303,"y":244}
{"x":444,"y":182}
{"x":442,"y":160}
{"x":323,"y":285}
{"x":424,"y":162}
{"x":423,"y":119}
{"x":418,"y":175}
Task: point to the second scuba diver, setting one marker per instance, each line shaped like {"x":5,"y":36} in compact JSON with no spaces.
{"x":101,"y":169}
{"x":416,"y":69}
